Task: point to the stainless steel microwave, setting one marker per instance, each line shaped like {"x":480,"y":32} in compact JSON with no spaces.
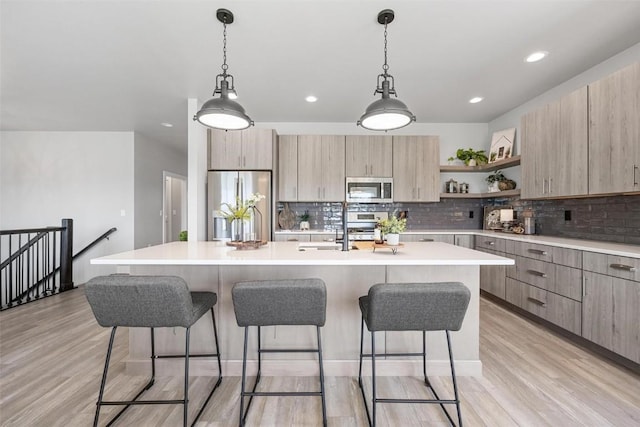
{"x":369,"y":190}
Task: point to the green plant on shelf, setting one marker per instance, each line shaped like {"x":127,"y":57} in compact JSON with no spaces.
{"x":392,"y":225}
{"x":470,"y":154}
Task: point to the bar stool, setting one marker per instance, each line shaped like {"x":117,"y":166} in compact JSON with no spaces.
{"x":150,"y":302}
{"x":279,"y":302}
{"x":412,"y":307}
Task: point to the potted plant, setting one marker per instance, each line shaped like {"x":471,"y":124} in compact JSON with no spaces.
{"x":239,"y":213}
{"x":304,"y":220}
{"x":183,"y":236}
{"x":471,"y":157}
{"x":391,"y":229}
{"x":498,"y":182}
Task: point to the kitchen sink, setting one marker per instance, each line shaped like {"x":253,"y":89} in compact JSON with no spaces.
{"x":320,"y":246}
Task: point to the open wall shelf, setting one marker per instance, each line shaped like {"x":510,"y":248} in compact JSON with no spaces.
{"x":490,"y":167}
{"x":506,"y":193}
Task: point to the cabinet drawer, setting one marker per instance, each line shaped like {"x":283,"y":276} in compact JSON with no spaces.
{"x":556,"y":309}
{"x":492,"y":243}
{"x":568,"y":257}
{"x":612,"y":265}
{"x":559,"y":279}
{"x":535,"y":251}
{"x":445,"y":238}
{"x":534,"y":272}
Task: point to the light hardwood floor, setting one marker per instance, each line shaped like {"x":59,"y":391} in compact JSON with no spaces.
{"x":52,"y":352}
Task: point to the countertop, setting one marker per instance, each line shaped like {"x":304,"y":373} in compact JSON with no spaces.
{"x":288,"y":253}
{"x":611,"y":248}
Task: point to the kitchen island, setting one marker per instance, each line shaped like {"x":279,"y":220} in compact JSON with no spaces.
{"x":214,"y":266}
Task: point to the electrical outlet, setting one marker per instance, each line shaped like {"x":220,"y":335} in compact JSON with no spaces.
{"x":470,"y":214}
{"x":567,"y":215}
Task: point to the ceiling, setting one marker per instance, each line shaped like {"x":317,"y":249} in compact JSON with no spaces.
{"x":104,"y":65}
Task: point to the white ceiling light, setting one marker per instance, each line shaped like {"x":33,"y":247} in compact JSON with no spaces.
{"x":223,"y":113}
{"x":386,"y":113}
{"x":536,"y":56}
{"x":311,"y":98}
{"x":166,"y":124}
{"x":475,"y":99}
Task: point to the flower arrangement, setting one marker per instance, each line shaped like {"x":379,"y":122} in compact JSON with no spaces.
{"x":242,"y":209}
{"x":392,"y":225}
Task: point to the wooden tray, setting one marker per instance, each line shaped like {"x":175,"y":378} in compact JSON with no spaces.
{"x":247,"y":245}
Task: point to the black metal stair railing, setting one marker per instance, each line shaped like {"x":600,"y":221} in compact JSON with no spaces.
{"x":37,"y":262}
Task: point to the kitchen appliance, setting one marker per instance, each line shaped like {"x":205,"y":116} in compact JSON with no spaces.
{"x":230,"y":186}
{"x":369,"y":190}
{"x":361,"y":225}
{"x":529,"y":225}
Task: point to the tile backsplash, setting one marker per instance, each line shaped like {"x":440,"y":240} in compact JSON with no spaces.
{"x":612,"y":218}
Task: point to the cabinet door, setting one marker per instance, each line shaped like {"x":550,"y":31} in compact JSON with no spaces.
{"x":528,"y":148}
{"x":309,"y":167}
{"x":357,"y":155}
{"x":428,"y":169}
{"x":568,"y":157}
{"x":369,"y":156}
{"x":597,"y":309}
{"x":225,"y":149}
{"x":288,"y":168}
{"x":614,"y":132}
{"x":333,"y":178}
{"x":257,"y":149}
{"x":464,"y":240}
{"x":492,"y":277}
{"x":404,"y":168}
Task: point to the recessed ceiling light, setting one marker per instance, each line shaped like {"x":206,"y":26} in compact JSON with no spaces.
{"x":536,"y":56}
{"x":475,"y":100}
{"x":311,"y":98}
{"x":167,"y":125}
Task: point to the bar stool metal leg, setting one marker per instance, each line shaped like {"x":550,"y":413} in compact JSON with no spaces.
{"x":186,"y":377}
{"x":455,"y":385}
{"x":104,"y":377}
{"x":322,"y":394}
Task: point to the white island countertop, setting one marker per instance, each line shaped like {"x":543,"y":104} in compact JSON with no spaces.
{"x":288,"y":253}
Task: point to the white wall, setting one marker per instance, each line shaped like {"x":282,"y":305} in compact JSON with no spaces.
{"x":86,"y":176}
{"x":151,"y":159}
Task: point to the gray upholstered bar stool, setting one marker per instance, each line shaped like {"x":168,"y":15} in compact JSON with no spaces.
{"x":279,"y":302}
{"x":150,"y":302}
{"x":412,"y":307}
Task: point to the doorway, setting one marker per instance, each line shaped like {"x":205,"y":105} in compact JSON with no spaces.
{"x":174,"y":206}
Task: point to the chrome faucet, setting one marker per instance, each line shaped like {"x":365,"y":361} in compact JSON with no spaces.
{"x":345,"y":229}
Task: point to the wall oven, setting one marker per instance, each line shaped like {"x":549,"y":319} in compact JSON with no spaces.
{"x":369,"y":190}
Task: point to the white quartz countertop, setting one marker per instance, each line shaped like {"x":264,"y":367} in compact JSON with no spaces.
{"x":610,"y":248}
{"x":288,"y":253}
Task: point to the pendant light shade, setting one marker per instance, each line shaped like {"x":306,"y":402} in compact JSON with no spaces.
{"x":386,"y":113}
{"x":224,"y":113}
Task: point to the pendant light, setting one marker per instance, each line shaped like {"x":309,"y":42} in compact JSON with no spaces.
{"x":224,"y":113}
{"x":386,"y":113}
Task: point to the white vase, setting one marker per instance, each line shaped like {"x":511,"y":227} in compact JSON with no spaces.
{"x":393,"y":239}
{"x":304,"y":225}
{"x":493,"y":187}
{"x":472,"y":162}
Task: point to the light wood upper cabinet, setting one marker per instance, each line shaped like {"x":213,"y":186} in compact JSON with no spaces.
{"x":416,"y":169}
{"x":321,"y":168}
{"x":288,"y":168}
{"x":369,"y":156}
{"x":554,"y":148}
{"x":249,"y":149}
{"x":614,"y":132}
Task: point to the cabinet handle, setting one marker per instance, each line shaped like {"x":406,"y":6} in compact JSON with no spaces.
{"x":635,"y":169}
{"x":550,"y":182}
{"x":544,"y":186}
{"x":413,"y":193}
{"x":324,"y":192}
{"x":536,"y":301}
{"x":371,"y":170}
{"x":489,"y":242}
{"x":292,"y":239}
{"x":537,"y":273}
{"x":244,"y":161}
{"x":426,"y":240}
{"x":584,"y":287}
{"x":537,"y":251}
{"x":623,"y":267}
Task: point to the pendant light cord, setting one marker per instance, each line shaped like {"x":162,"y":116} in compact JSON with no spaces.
{"x":385,"y":67}
{"x":225,"y":67}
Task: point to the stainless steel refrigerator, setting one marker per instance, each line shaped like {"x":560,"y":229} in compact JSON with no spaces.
{"x":224,"y":187}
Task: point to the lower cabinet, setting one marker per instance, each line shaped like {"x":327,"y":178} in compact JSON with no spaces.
{"x":492,"y":277}
{"x":445,"y":238}
{"x":611,"y":304}
{"x":554,"y":308}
